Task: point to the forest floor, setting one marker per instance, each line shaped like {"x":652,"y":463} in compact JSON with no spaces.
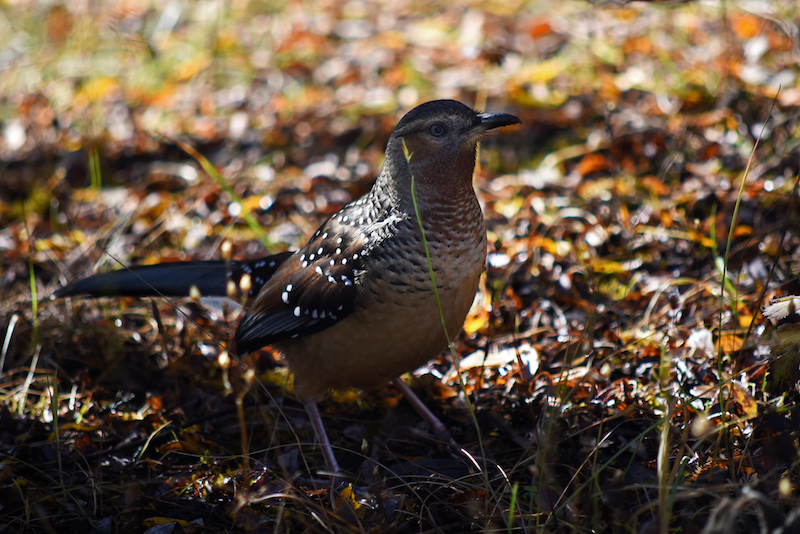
{"x":617,"y":372}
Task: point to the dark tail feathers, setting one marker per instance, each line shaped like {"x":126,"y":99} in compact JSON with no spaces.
{"x":175,"y":279}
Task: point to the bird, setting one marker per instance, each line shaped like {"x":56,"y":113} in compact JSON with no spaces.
{"x":356,"y":306}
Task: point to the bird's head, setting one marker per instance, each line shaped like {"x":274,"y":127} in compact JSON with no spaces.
{"x":436,"y":144}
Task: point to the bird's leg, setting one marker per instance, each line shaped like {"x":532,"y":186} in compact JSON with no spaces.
{"x":439,"y":430}
{"x":322,"y":436}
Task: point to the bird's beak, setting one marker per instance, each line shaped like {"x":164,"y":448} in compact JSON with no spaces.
{"x":489,"y":121}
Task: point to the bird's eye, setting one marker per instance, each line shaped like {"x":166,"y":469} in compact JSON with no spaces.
{"x":437,"y":129}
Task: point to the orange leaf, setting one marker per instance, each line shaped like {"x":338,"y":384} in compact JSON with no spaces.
{"x":743,"y":399}
{"x":730,"y":343}
{"x":592,"y":163}
{"x":746,"y":26}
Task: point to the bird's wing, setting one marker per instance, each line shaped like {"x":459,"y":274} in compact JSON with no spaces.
{"x":318,"y":286}
{"x":260,"y":270}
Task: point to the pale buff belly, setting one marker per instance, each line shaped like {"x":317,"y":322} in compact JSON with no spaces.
{"x":382,"y":340}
